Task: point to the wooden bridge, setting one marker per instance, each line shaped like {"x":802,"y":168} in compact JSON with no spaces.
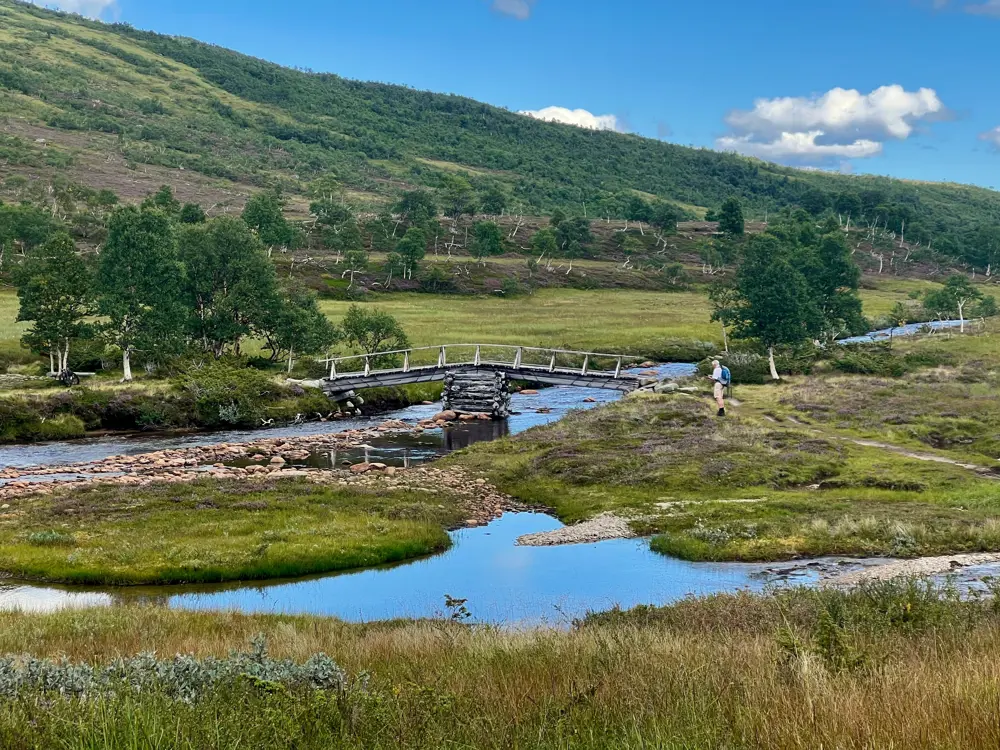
{"x":479,"y":373}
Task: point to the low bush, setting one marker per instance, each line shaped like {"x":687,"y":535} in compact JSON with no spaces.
{"x":224,"y":394}
{"x":865,"y":359}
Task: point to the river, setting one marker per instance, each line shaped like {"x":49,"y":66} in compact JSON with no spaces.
{"x":502,"y":582}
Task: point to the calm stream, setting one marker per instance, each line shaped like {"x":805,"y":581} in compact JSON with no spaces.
{"x":502,"y":582}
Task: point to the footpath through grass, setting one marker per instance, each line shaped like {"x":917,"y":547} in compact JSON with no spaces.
{"x":892,"y":665}
{"x":217,"y":531}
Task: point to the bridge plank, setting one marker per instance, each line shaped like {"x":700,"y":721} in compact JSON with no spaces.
{"x":534,"y":375}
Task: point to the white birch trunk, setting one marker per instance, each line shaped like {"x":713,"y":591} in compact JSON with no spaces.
{"x":770,"y":362}
{"x":127,"y":365}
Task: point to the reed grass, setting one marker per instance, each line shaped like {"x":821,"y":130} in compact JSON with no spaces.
{"x":892,"y":665}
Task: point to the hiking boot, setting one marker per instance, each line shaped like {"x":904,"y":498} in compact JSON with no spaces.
{"x":722,"y":412}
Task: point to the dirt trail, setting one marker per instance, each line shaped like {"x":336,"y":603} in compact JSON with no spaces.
{"x":984,"y":471}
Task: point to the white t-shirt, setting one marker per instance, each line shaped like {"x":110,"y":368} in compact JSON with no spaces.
{"x":717,"y":374}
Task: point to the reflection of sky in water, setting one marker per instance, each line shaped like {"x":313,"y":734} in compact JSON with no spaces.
{"x":502,"y":582}
{"x":37,"y":599}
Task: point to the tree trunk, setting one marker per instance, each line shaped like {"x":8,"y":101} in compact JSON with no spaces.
{"x":725,"y":338}
{"x":126,"y":365}
{"x":961,"y":317}
{"x":291,"y":360}
{"x":52,"y":360}
{"x":64,"y":365}
{"x":770,"y":362}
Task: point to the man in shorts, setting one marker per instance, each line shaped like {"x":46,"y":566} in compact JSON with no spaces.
{"x":720,"y":376}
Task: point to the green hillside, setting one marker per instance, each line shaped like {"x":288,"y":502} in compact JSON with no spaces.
{"x":127,"y":110}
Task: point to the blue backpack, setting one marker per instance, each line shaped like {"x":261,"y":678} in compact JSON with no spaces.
{"x":727,"y":377}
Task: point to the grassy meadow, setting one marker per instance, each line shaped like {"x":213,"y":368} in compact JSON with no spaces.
{"x":213,"y":531}
{"x":891,"y":665}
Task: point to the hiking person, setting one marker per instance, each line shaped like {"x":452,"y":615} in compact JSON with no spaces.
{"x":722,"y":379}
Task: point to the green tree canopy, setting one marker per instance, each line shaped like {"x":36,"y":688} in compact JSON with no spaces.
{"x":138,"y":285}
{"x":164,"y":200}
{"x":457,"y":196}
{"x":487,"y":240}
{"x":773,"y":302}
{"x":953,"y":299}
{"x":297,"y":326}
{"x":230,"y":283}
{"x":373,"y":330}
{"x":192,"y":213}
{"x":417,"y":207}
{"x":54,"y":290}
{"x":493,"y":200}
{"x":731,"y":217}
{"x":412,"y":249}
{"x":574,"y":236}
{"x":263,"y":213}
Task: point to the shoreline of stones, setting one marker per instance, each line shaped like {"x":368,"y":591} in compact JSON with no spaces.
{"x":481,"y":502}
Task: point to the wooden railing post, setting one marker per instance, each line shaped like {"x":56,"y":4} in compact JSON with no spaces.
{"x":406,"y":362}
{"x":478,"y":354}
{"x":368,"y":366}
{"x":442,"y":358}
{"x":618,"y":369}
{"x":333,"y":369}
{"x":517,"y":359}
{"x":552,"y":364}
{"x":586,"y":364}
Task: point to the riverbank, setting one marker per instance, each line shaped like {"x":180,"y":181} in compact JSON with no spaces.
{"x":746,"y":488}
{"x":275,"y":523}
{"x":891,"y":665}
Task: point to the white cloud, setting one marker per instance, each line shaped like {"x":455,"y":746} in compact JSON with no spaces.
{"x":89,"y":8}
{"x":840,"y":124}
{"x":579,"y":117}
{"x":799,"y":147}
{"x":519,"y":9}
{"x":989,"y":8}
{"x":992,"y":137}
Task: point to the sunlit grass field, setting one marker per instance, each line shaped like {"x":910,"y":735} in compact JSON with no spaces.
{"x":600,"y":320}
{"x":592,"y":320}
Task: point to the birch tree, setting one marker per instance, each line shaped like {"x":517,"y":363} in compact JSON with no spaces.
{"x":774,"y":303}
{"x":54,"y":290}
{"x":138,"y":284}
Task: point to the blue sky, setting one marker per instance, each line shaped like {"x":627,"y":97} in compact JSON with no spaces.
{"x":900,"y":87}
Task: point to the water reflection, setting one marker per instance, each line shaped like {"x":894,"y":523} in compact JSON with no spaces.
{"x":503,"y":583}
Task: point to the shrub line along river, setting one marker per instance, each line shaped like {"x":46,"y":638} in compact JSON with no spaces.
{"x":503,"y":582}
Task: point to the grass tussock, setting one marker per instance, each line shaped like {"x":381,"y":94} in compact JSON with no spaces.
{"x":890,"y":665}
{"x":214,"y":531}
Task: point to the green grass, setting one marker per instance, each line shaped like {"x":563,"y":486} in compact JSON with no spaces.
{"x":614,"y":321}
{"x":742,"y":488}
{"x":898,"y":665}
{"x":216,"y":531}
{"x":10,"y":331}
{"x":880,"y":300}
{"x":950,"y":408}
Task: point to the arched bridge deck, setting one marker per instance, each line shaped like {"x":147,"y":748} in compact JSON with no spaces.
{"x":532,"y":365}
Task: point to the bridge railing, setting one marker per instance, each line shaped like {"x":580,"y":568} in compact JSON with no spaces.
{"x":456,"y":355}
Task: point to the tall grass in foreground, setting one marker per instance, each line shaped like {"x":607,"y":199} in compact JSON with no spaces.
{"x":891,"y":665}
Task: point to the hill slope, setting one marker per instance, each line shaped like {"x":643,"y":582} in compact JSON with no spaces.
{"x":128,"y":109}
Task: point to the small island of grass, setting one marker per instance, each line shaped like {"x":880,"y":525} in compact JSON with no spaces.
{"x":214,"y":531}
